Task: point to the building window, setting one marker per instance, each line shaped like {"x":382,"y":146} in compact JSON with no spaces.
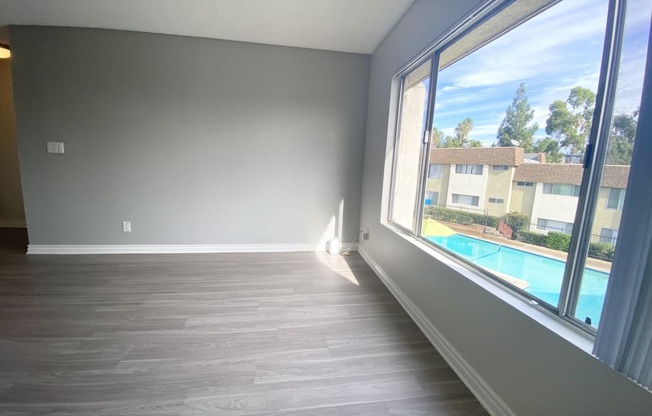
{"x":561,"y":189}
{"x":469,"y":169}
{"x":555,"y":226}
{"x":609,"y":236}
{"x":434,"y":171}
{"x":466,"y":199}
{"x":432,"y":198}
{"x":616,"y":199}
{"x":463,"y":69}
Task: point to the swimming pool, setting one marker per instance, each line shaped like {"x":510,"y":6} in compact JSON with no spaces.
{"x":543,"y":274}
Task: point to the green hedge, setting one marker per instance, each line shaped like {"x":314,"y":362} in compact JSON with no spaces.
{"x":461,"y":217}
{"x":530,"y":237}
{"x":558,"y":241}
{"x":601,"y":251}
{"x":516,"y":221}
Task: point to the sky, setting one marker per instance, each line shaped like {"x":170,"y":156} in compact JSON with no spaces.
{"x":553,"y":52}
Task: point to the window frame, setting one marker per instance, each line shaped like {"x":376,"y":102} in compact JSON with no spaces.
{"x":469,"y":169}
{"x":555,"y":188}
{"x":619,"y":202}
{"x":436,"y":170}
{"x":473,"y":198}
{"x":433,"y":201}
{"x":593,"y":165}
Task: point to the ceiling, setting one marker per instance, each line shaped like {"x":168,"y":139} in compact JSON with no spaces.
{"x":356,"y":26}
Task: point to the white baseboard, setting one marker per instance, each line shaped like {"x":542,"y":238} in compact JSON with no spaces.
{"x":480,"y":389}
{"x":176,"y":249}
{"x":13,"y":224}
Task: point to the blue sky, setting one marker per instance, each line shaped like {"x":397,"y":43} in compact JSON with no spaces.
{"x":555,"y":51}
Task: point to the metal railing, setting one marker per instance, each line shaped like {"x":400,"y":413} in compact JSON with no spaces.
{"x":595,"y":238}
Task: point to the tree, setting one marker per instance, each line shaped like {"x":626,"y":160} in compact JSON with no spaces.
{"x":459,"y":139}
{"x":515,"y":129}
{"x":437,"y":137}
{"x":569,"y":122}
{"x":550,"y":147}
{"x":621,"y":139}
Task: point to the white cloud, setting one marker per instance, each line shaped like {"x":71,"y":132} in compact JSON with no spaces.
{"x":540,"y":47}
{"x":552,"y":53}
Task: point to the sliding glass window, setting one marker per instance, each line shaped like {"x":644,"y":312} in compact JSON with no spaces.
{"x":529,"y":117}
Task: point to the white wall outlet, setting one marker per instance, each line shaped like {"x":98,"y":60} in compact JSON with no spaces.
{"x":126,"y":226}
{"x":365,"y":233}
{"x":55,"y":147}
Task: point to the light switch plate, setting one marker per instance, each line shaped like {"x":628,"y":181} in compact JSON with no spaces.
{"x":55,"y":147}
{"x":126,"y":226}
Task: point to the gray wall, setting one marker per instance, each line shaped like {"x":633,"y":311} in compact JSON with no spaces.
{"x":195,"y":141}
{"x":11,"y":196}
{"x":532,"y":369}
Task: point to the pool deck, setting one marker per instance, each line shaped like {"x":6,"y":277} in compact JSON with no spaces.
{"x":476,"y":231}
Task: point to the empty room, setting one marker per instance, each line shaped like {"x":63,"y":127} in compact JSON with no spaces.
{"x":325,"y":207}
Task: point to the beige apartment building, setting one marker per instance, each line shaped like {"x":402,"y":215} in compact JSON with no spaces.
{"x":498,"y":180}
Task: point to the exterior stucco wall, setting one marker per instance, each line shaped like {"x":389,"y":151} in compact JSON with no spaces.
{"x":499,"y":185}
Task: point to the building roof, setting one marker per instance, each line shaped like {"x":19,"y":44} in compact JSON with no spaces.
{"x":614,"y":176}
{"x":510,"y":156}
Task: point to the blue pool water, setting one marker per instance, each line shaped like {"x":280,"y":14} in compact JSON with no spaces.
{"x":544,"y":274}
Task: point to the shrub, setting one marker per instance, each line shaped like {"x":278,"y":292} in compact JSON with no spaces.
{"x":558,"y":241}
{"x":602,"y":251}
{"x":461,"y":217}
{"x":516,"y":221}
{"x":532,"y":238}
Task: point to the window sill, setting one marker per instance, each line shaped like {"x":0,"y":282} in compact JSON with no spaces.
{"x":574,"y":335}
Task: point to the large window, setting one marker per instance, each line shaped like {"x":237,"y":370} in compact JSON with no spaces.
{"x":434,"y":171}
{"x":561,"y":189}
{"x":544,"y":224}
{"x":469,"y":169}
{"x":566,"y":79}
{"x":432,"y":198}
{"x":616,"y":199}
{"x":466,"y":199}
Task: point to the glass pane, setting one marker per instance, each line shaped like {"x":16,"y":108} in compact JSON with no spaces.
{"x":523,"y":103}
{"x":409,"y":146}
{"x":613,"y":185}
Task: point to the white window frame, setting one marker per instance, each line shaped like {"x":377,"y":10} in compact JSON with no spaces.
{"x":469,"y":169}
{"x":608,"y":235}
{"x":455,"y":198}
{"x":525,"y":184}
{"x":621,"y":199}
{"x":434,"y":200}
{"x":556,"y":189}
{"x":434,"y":171}
{"x":548,"y":225}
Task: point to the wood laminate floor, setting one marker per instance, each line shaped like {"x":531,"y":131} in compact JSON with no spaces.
{"x":213,"y":334}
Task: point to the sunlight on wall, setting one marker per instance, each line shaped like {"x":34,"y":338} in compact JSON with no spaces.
{"x":335,"y":228}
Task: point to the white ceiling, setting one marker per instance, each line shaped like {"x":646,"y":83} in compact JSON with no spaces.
{"x":340,"y":25}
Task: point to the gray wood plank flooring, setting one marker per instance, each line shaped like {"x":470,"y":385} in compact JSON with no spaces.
{"x":221,"y":334}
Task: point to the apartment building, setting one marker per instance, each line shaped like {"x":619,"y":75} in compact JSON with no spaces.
{"x":498,"y":180}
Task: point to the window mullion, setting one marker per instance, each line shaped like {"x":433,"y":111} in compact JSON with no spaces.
{"x":595,"y":156}
{"x":426,"y":143}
